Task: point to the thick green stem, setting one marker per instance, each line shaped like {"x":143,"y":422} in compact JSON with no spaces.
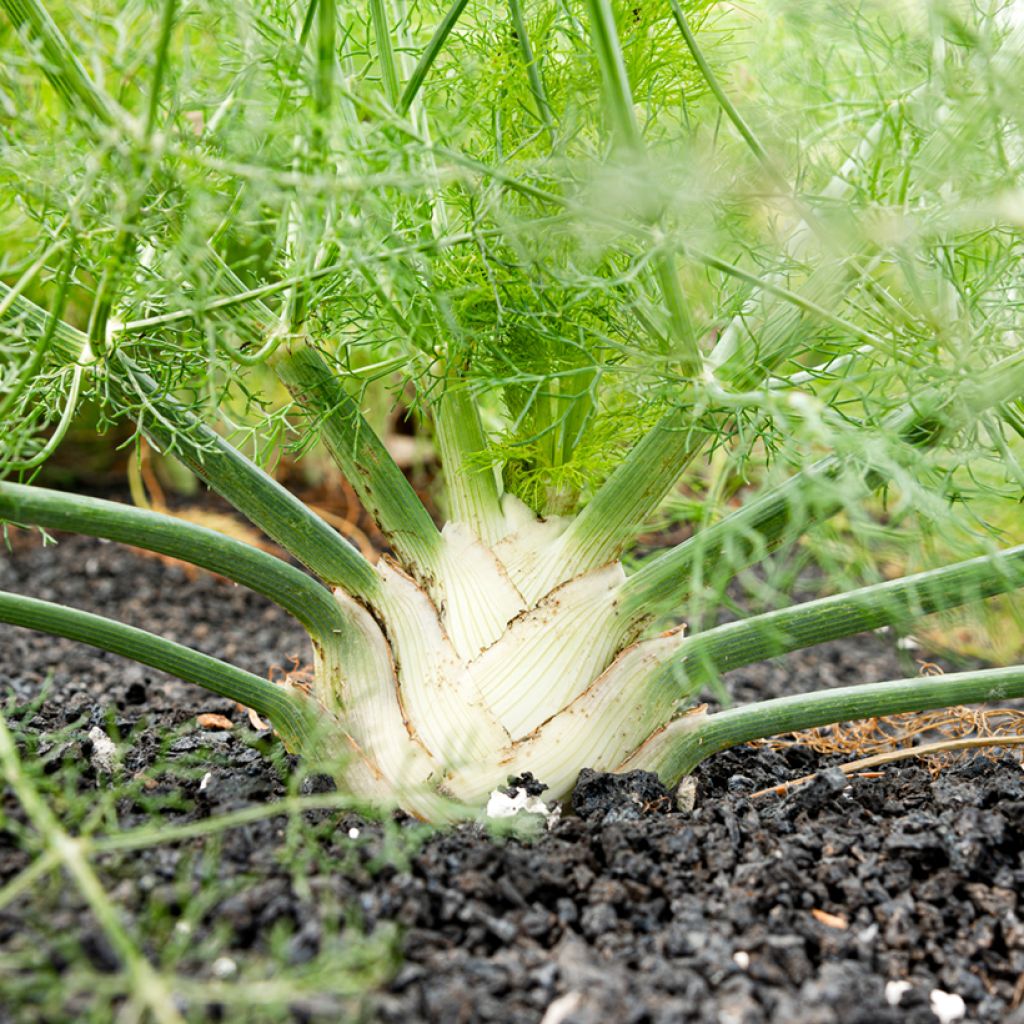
{"x":175,"y":430}
{"x":680,"y":326}
{"x":292,"y":589}
{"x":385,"y":53}
{"x":742,"y":538}
{"x":260,"y":498}
{"x":682,"y":752}
{"x":782,"y":514}
{"x":294,"y":717}
{"x":896,"y":602}
{"x":469,"y":478}
{"x":637,"y":486}
{"x":381,"y":486}
{"x":326,"y":54}
{"x":617,"y":91}
{"x":60,"y":65}
{"x":533,"y":72}
{"x":619,"y":95}
{"x":160,"y":64}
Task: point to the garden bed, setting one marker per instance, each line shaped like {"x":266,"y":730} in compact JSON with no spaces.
{"x":800,"y":908}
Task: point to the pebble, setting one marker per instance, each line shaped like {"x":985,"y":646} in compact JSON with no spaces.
{"x":894,"y":991}
{"x":501,"y":805}
{"x":104,"y":751}
{"x":223,"y":968}
{"x":562,"y":1008}
{"x":947,"y":1006}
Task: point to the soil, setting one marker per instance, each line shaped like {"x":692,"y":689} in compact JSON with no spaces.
{"x":796,"y":909}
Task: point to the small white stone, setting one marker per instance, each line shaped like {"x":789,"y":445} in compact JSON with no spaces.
{"x":224,"y":967}
{"x":741,"y":959}
{"x":501,"y":805}
{"x":947,"y":1006}
{"x":894,"y":991}
{"x":205,"y":781}
{"x":908,"y":643}
{"x":353,"y":833}
{"x":562,"y":1007}
{"x":183,"y":927}
{"x":104,"y":752}
{"x":686,"y":794}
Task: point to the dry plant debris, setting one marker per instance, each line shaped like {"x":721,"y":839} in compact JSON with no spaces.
{"x":830,"y":920}
{"x":299,"y":676}
{"x":209,"y":720}
{"x":900,"y":734}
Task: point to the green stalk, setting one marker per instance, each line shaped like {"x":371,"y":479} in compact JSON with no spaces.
{"x":160,"y":64}
{"x":739,"y":540}
{"x":681,"y":329}
{"x":294,"y":717}
{"x":780,"y":515}
{"x":325,"y":54}
{"x":259,"y":497}
{"x":697,"y":739}
{"x":312,"y":9}
{"x":559,"y":413}
{"x":173,"y":429}
{"x":895,"y":602}
{"x":429,"y":55}
{"x":469,"y":478}
{"x":617,"y":91}
{"x":532,"y":67}
{"x":61,"y":66}
{"x":290,"y":588}
{"x":385,"y":53}
{"x":637,"y":486}
{"x":381,"y":486}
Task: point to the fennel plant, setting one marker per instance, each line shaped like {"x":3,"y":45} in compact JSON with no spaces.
{"x":594,"y":260}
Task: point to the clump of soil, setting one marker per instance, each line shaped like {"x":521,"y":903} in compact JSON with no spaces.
{"x":796,"y":909}
{"x":630,"y":796}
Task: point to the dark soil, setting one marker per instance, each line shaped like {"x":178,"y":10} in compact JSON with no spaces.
{"x":796,"y":909}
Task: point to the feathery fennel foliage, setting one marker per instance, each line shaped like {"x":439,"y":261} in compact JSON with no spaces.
{"x":602,"y":245}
